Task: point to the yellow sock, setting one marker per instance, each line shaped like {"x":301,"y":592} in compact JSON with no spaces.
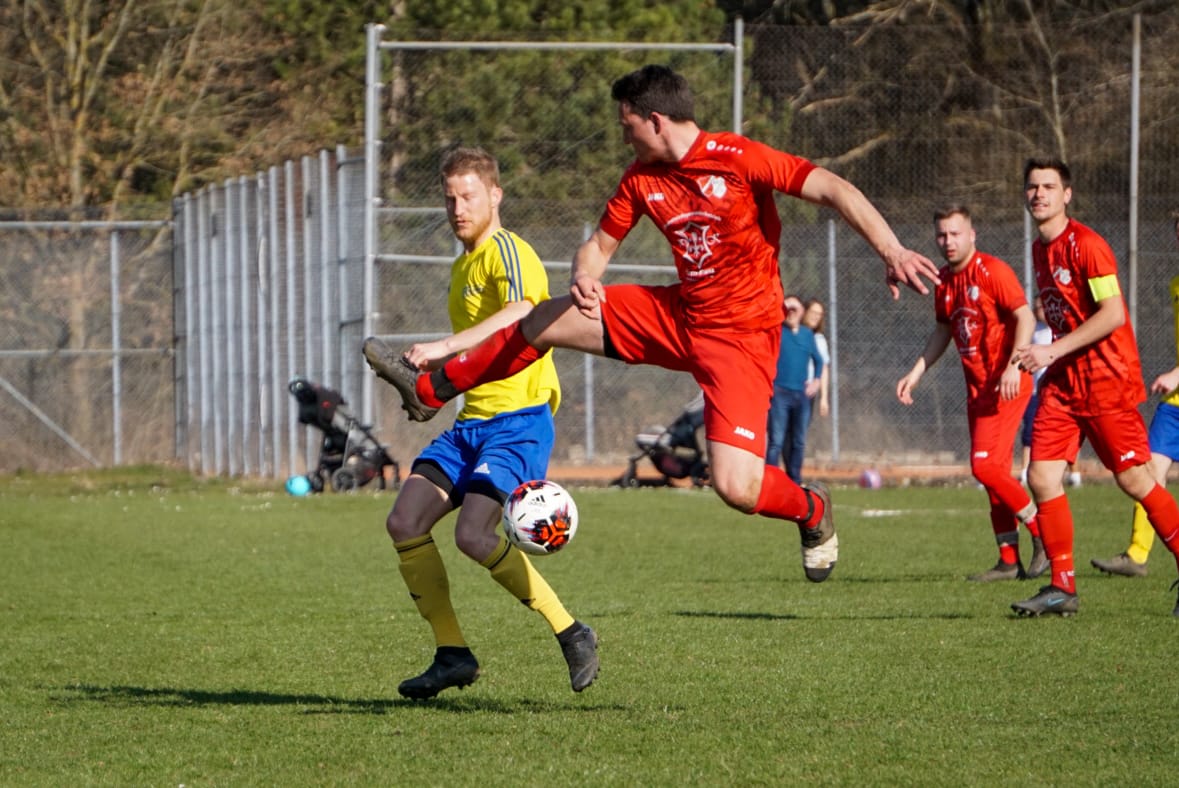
{"x":512,"y":570}
{"x":1142,"y":537}
{"x":425,"y":577}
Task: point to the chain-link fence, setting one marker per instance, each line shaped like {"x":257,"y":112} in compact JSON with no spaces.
{"x":267,"y":274}
{"x":85,"y":344}
{"x":909,"y":114}
{"x":268,"y":287}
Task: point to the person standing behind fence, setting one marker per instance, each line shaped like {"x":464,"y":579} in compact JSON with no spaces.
{"x":1164,"y":450}
{"x":790,"y":405}
{"x":503,"y":437}
{"x":813,"y":315}
{"x":1092,"y":386}
{"x":712,"y":196}
{"x":981,"y":306}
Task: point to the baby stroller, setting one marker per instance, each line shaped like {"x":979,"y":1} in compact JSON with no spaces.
{"x":350,"y":456}
{"x":675,"y":451}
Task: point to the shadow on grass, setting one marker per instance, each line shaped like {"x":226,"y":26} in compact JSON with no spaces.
{"x":306,"y":703}
{"x":793,"y":617}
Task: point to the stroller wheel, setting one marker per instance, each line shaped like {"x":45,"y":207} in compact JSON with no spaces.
{"x":343,"y":480}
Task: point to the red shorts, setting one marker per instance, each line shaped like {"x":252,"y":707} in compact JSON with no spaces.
{"x":735,"y":369}
{"x":994,"y":426}
{"x":1118,"y":437}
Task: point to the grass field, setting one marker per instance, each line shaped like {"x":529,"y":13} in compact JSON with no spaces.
{"x":156,"y":630}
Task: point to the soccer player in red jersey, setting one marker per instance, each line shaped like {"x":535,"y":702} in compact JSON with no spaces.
{"x":1092,"y":384}
{"x":712,"y":197}
{"x":981,"y":306}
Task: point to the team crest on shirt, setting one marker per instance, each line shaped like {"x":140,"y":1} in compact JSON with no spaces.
{"x":1055,"y":310}
{"x":1063,"y":275}
{"x":712,"y":185}
{"x":972,"y":292}
{"x":966,"y":325}
{"x":695,"y":242}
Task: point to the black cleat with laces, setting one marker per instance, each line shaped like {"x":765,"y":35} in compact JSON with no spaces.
{"x":1050,"y":600}
{"x":999,"y":571}
{"x":579,"y":644}
{"x":453,"y":666}
{"x":392,"y":367}
{"x":1121,"y":564}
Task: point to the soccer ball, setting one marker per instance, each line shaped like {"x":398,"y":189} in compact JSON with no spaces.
{"x":540,"y":517}
{"x":870,"y":479}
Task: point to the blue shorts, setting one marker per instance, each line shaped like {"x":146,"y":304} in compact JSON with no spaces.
{"x":1164,"y":431}
{"x":1029,"y":415}
{"x":490,"y":456}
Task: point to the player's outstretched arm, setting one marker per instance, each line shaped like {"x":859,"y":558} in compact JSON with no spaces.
{"x":902,"y":266}
{"x":430,"y":355}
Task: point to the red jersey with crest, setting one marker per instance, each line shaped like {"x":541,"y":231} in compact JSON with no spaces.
{"x":716,"y":208}
{"x":979,"y":303}
{"x":1105,"y":375}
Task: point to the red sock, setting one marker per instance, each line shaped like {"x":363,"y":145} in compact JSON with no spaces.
{"x":1163,"y":514}
{"x":782,"y":499}
{"x":1005,"y":527}
{"x":1033,"y":526}
{"x":1056,"y":529}
{"x":500,"y":356}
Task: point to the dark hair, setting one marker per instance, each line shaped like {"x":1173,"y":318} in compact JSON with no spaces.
{"x":463,"y":160}
{"x":951,"y":209}
{"x":1049,"y":163}
{"x":656,"y":89}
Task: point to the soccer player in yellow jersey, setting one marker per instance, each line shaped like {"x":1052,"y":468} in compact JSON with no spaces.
{"x":1164,"y":449}
{"x":502,"y":437}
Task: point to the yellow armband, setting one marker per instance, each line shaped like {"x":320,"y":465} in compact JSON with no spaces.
{"x":1104,"y":287}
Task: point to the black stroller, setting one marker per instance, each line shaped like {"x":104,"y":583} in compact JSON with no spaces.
{"x":675,"y":451}
{"x":350,"y":456}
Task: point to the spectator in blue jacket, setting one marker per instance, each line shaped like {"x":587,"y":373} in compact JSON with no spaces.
{"x":790,"y":408}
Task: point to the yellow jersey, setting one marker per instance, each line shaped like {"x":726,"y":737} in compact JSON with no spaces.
{"x":501,"y":270}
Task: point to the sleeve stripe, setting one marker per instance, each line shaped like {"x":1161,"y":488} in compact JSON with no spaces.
{"x":1103,"y":287}
{"x":511,"y":260}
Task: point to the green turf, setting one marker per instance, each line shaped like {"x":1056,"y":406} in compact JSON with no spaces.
{"x":155,"y":630}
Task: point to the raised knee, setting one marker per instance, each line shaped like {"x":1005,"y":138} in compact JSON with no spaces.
{"x":399,"y":528}
{"x":739,"y":496}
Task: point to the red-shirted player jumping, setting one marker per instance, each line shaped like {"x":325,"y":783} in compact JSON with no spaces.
{"x":712,"y":196}
{"x":981,"y":306}
{"x":1092,"y":385}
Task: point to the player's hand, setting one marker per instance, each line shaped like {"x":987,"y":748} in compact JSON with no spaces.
{"x":905,"y":388}
{"x":1033,"y":358}
{"x":906,"y":267}
{"x":426,"y":356}
{"x":588,"y":294}
{"x":1010,"y":382}
{"x":1166,"y":382}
